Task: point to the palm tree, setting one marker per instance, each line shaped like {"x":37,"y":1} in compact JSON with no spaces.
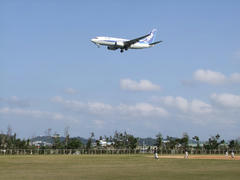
{"x":196,"y":138}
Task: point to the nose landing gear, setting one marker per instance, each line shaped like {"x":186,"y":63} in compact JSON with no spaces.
{"x":121,"y":50}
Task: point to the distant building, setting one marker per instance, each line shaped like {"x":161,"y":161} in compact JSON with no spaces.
{"x":103,"y":143}
{"x":40,"y":143}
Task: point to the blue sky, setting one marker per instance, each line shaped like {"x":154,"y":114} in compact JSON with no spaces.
{"x":52,"y":76}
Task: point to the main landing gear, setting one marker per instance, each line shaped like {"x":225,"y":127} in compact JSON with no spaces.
{"x":123,"y":50}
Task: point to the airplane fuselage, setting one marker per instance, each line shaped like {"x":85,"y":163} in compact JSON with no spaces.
{"x":118,"y":42}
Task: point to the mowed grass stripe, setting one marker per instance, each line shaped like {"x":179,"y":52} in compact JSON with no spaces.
{"x":74,"y":167}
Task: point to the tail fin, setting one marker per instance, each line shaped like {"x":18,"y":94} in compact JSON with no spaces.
{"x":149,"y":39}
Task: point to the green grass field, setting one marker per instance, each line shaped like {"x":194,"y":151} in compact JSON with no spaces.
{"x":109,"y":167}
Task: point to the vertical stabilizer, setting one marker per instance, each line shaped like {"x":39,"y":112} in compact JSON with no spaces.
{"x":149,"y":39}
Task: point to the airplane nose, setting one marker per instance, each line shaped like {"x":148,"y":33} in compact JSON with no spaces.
{"x":93,"y":40}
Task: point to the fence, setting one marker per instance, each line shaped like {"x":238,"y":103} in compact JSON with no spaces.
{"x":104,"y":151}
{"x":197,"y":152}
{"x":66,"y":151}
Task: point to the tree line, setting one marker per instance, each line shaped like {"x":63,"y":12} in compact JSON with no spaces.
{"x":119,"y":140}
{"x":213,"y":143}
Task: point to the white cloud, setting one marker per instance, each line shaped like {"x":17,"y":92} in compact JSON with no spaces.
{"x":215,"y":78}
{"x":70,"y":104}
{"x":185,"y":106}
{"x":178,"y":102}
{"x":168,"y":100}
{"x":91,"y":107}
{"x":32,"y":113}
{"x":169,"y":111}
{"x":142,"y":85}
{"x":70,"y":91}
{"x":202,"y":113}
{"x":99,"y":108}
{"x":182,"y":103}
{"x":142,"y":109}
{"x":14,"y":101}
{"x":200,"y":107}
{"x":210,"y":77}
{"x":226,"y":100}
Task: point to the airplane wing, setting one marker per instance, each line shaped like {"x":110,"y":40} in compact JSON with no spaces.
{"x":133,"y":41}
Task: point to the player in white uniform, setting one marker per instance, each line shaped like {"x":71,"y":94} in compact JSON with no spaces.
{"x":155,"y":153}
{"x":232,"y":154}
{"x":186,"y":154}
{"x":226,"y":154}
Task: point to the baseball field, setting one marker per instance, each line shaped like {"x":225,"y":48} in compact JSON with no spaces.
{"x":109,"y":167}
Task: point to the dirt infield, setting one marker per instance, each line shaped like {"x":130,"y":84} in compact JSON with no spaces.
{"x":222,"y":157}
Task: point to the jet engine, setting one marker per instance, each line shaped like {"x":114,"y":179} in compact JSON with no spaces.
{"x":112,"y":47}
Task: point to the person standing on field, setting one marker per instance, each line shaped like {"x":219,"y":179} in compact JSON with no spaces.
{"x":155,"y":153}
{"x":226,"y":154}
{"x":186,"y":154}
{"x":232,"y":154}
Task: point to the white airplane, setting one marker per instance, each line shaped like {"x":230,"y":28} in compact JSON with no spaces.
{"x":125,"y":44}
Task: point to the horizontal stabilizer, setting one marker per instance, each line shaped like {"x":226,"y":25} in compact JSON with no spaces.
{"x":155,"y":43}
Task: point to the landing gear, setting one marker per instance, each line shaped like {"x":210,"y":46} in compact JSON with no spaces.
{"x":121,"y":50}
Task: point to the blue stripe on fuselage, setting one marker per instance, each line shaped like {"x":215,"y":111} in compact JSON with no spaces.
{"x":141,"y":42}
{"x":109,"y":40}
